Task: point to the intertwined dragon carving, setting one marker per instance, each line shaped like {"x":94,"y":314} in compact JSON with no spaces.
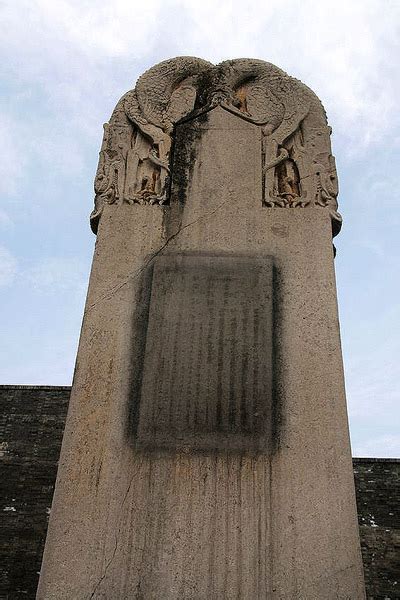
{"x":298,"y":167}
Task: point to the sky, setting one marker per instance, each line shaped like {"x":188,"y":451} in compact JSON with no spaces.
{"x":65,"y":64}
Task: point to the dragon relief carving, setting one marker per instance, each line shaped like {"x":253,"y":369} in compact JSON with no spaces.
{"x":298,"y":168}
{"x":134,"y":156}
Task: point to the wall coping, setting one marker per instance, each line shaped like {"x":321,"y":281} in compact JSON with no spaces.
{"x":35,"y":387}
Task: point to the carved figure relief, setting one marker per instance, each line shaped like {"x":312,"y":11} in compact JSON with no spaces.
{"x":146,"y":171}
{"x":287,"y":182}
{"x":134,"y":166}
{"x":298,"y":167}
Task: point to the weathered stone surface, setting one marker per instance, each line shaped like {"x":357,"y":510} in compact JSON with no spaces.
{"x":197,"y":520}
{"x":28,"y":465}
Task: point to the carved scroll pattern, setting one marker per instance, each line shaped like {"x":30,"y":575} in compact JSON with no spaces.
{"x":298,"y":167}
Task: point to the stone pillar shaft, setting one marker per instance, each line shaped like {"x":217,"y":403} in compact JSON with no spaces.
{"x":206,"y":453}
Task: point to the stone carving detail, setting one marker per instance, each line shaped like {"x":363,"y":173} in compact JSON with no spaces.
{"x":134,"y":156}
{"x":298,"y":167}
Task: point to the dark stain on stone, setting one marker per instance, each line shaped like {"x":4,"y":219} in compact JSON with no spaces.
{"x":184,"y":152}
{"x":212,"y":332}
{"x":204,"y":84}
{"x":277,"y":362}
{"x":137,"y":351}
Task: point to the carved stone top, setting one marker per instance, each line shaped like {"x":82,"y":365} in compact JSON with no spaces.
{"x":298,"y":167}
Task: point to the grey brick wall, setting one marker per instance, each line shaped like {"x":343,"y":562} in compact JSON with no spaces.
{"x":378,"y":503}
{"x":31,"y":427}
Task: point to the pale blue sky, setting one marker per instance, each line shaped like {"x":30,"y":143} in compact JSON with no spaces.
{"x":65,"y":63}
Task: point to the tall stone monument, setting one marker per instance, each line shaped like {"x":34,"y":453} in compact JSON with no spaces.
{"x":206,"y":453}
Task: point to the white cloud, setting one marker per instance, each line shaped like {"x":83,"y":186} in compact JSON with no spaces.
{"x":372,"y":368}
{"x":105,"y":28}
{"x":8,"y":267}
{"x":346,"y":51}
{"x":58,"y":274}
{"x":5,"y":220}
{"x":12,"y":154}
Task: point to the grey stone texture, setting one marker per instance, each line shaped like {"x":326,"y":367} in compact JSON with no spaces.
{"x":212,"y":506}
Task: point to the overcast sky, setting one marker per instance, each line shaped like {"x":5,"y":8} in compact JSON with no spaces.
{"x":65,"y":64}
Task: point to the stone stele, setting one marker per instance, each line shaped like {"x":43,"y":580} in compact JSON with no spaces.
{"x":206,"y":453}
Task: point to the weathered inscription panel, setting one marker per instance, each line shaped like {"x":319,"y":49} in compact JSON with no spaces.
{"x":207,"y":378}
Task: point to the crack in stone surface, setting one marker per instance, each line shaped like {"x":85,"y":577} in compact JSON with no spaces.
{"x":108,"y":565}
{"x":132,"y":276}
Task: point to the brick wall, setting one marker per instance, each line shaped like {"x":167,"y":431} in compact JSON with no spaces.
{"x":378,"y":502}
{"x":31,"y":426}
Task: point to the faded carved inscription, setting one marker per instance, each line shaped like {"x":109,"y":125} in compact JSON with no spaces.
{"x":207,"y":379}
